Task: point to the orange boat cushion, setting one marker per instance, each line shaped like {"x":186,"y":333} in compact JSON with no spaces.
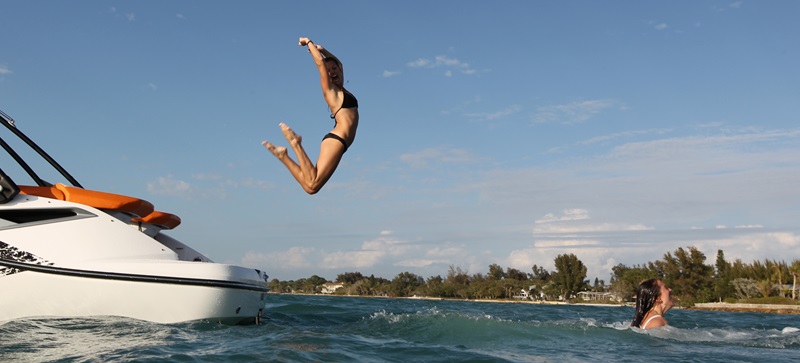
{"x":103,"y":200}
{"x":163,"y":219}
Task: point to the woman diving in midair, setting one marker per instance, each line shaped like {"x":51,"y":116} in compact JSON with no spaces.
{"x":344,"y":111}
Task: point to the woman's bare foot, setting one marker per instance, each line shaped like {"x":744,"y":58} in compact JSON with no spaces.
{"x":278,"y":151}
{"x":289,"y":134}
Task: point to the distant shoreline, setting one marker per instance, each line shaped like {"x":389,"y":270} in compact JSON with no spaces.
{"x":728,"y":307}
{"x":748,"y":308}
{"x":497,"y":301}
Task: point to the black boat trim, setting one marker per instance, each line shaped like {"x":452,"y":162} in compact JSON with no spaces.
{"x":131,"y":277}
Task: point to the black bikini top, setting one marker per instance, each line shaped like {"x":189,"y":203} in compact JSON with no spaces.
{"x":349,"y":101}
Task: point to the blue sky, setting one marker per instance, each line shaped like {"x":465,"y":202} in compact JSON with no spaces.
{"x":491,"y":132}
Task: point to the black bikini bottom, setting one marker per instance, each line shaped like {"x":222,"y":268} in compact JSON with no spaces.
{"x":331,"y":135}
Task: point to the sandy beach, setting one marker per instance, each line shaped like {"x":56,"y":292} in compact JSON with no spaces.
{"x":749,"y":308}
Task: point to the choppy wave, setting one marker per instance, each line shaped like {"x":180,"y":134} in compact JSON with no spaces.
{"x":770,"y":338}
{"x":305,"y":328}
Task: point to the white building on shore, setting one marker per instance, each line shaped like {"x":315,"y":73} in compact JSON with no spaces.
{"x":331,"y":287}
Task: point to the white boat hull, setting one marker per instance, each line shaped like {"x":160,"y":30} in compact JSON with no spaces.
{"x":100,"y":266}
{"x":35,"y":294}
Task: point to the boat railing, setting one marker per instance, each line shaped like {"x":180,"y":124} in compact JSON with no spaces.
{"x":131,"y":210}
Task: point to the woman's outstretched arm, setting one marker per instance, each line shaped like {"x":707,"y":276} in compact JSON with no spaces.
{"x":319,"y":61}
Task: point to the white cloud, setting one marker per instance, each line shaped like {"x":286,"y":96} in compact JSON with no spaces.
{"x":564,"y":243}
{"x":624,"y":134}
{"x":567,"y":215}
{"x":5,"y":70}
{"x":584,"y":228}
{"x":755,"y":246}
{"x":373,"y":252}
{"x":387,"y":74}
{"x":202,"y":186}
{"x":420,"y":263}
{"x":169,"y":186}
{"x":452,"y":64}
{"x":510,"y":111}
{"x":702,"y":145}
{"x":420,"y":63}
{"x":128,"y":16}
{"x":661,"y":26}
{"x":574,"y":221}
{"x":294,"y":258}
{"x":463,"y":67}
{"x":425,"y":157}
{"x":351,"y":259}
{"x":785,"y":239}
{"x":608,"y":139}
{"x":388,"y":246}
{"x":524,"y":259}
{"x":571,"y":113}
{"x":446,"y":252}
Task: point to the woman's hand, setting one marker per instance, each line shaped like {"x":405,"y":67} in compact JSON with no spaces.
{"x":304,"y":41}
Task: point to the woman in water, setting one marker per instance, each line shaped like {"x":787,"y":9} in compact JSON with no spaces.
{"x":653,"y":300}
{"x":344,"y":112}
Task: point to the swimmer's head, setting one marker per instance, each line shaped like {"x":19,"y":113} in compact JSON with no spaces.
{"x":647,"y":294}
{"x":335,"y":71}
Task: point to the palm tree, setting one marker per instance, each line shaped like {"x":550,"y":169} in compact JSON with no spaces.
{"x":777,"y":268}
{"x":794,"y":269}
{"x":765,"y":287}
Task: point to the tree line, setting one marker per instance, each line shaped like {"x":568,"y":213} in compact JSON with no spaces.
{"x":685,"y":271}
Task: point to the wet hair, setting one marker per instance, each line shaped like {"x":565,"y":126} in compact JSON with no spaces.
{"x":647,"y":294}
{"x":331,"y":59}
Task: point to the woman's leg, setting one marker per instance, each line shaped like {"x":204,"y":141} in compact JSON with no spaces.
{"x":309,"y":171}
{"x":310,"y":177}
{"x":280,"y":153}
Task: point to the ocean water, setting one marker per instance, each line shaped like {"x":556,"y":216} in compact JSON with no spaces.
{"x":346,"y":329}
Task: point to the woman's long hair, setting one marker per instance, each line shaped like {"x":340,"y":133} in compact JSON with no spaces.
{"x":646,"y":296}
